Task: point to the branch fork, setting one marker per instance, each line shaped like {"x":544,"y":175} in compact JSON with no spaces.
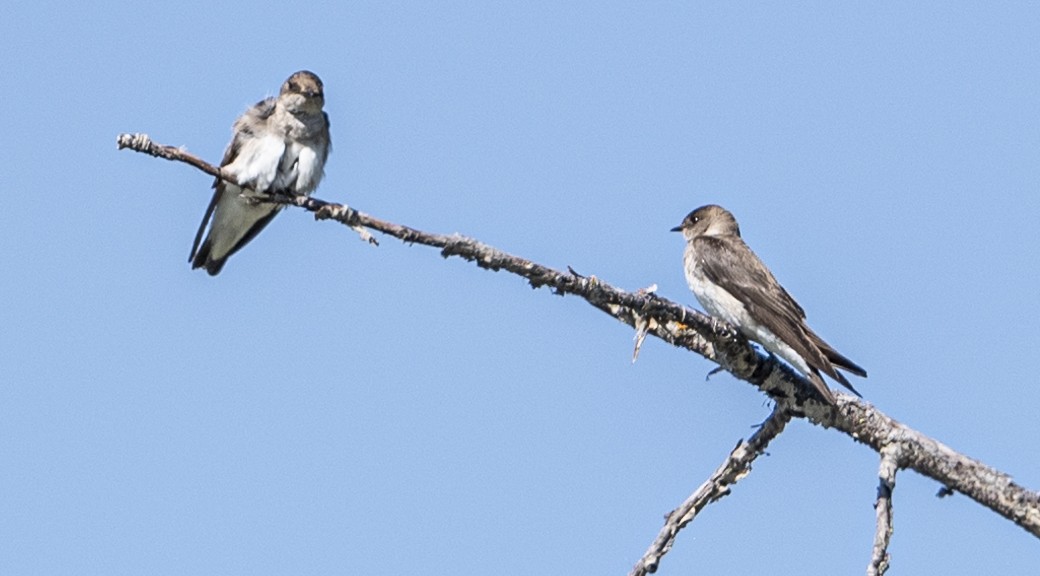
{"x":649,"y":314}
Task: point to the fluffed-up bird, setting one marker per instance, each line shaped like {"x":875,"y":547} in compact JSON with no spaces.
{"x":278,"y":146}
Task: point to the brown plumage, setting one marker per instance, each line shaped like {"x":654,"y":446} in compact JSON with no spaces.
{"x":733,"y":285}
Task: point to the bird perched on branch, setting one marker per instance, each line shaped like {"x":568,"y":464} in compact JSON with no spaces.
{"x":278,"y":146}
{"x":733,"y":285}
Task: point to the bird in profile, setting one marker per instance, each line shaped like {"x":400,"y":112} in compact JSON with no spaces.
{"x":279,"y":145}
{"x":733,"y":285}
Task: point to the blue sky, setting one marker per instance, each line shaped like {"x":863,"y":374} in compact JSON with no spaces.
{"x":327,"y":407}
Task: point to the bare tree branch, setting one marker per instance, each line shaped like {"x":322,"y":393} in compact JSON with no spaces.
{"x":879,"y":559}
{"x":735,"y":468}
{"x":716,"y":341}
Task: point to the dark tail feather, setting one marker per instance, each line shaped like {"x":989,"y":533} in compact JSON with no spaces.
{"x":840,"y":379}
{"x":201,"y":259}
{"x":836,"y":359}
{"x":213,"y":267}
{"x":842,"y":362}
{"x":195,"y":249}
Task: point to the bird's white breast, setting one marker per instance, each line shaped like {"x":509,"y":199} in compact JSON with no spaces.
{"x":302,"y":168}
{"x":256,"y":165}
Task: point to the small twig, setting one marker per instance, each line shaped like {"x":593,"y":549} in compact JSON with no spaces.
{"x":643,"y":324}
{"x":735,"y":468}
{"x":642,"y":328}
{"x":879,"y":558}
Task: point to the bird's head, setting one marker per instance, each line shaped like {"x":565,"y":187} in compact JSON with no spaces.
{"x":303,"y":92}
{"x":710,"y":220}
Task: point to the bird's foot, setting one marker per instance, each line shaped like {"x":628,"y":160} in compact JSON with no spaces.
{"x":254,"y":198}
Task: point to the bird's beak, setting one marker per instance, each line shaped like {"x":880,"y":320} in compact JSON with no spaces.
{"x":677,"y":228}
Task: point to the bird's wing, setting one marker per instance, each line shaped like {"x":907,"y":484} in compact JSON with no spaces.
{"x":750,"y":282}
{"x":328,"y":138}
{"x":242,"y":130}
{"x":730,"y":264}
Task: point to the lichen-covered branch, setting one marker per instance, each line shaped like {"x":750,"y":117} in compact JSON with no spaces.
{"x":735,"y":468}
{"x":686,"y":328}
{"x":879,"y":560}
